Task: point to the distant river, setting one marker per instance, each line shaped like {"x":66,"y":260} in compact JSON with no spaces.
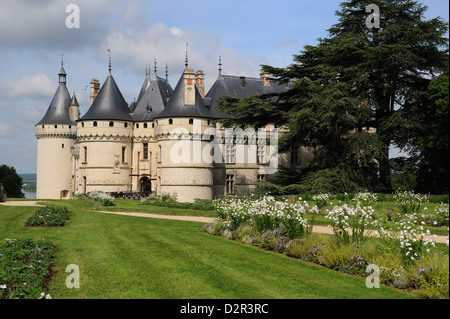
{"x":29,"y":195}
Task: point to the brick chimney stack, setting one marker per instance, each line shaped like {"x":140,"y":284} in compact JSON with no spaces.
{"x":95,"y":88}
{"x":189,"y":87}
{"x":265,"y":78}
{"x":200,"y":82}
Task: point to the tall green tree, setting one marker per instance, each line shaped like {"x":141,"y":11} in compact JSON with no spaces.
{"x":359,"y":80}
{"x":11,"y":181}
{"x":431,"y":147}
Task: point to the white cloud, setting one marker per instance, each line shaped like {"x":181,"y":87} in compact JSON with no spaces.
{"x":42,"y":24}
{"x":134,"y":48}
{"x":28,"y":86}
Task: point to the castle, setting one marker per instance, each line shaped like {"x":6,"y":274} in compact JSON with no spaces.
{"x":121,"y":147}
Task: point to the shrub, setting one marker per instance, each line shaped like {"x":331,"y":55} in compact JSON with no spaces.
{"x":430,"y":276}
{"x":350,"y":222}
{"x":49,"y":216}
{"x":307,"y":249}
{"x":442,"y":212}
{"x":266,"y":213}
{"x":409,"y":202}
{"x":170,"y":201}
{"x":366,"y":197}
{"x":101,"y":198}
{"x":321,"y":200}
{"x":409,"y":236}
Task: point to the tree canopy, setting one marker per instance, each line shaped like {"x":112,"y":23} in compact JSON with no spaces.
{"x":11,"y":181}
{"x":356,"y":93}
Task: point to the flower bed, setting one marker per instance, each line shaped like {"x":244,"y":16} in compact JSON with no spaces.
{"x":49,"y":216}
{"x":167,"y":200}
{"x":405,"y":259}
{"x":25,"y":268}
{"x":98,"y":197}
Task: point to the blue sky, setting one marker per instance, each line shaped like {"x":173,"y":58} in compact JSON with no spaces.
{"x":245,"y":34}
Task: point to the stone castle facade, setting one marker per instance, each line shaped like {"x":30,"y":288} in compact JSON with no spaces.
{"x":157,"y":144}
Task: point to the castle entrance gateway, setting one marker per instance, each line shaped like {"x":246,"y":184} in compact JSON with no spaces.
{"x":146,"y":184}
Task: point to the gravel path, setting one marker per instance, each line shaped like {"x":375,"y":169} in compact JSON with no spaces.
{"x":21,"y":203}
{"x":316,"y":229}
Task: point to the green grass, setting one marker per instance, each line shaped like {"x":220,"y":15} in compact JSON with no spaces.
{"x":134,"y":257}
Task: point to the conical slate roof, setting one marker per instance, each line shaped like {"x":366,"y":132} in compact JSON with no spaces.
{"x":144,"y":87}
{"x":109,"y":104}
{"x":58,"y":110}
{"x":74,"y":101}
{"x":176,"y":107}
{"x":153,"y":101}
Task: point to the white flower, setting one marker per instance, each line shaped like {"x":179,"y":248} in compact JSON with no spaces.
{"x":2,"y":286}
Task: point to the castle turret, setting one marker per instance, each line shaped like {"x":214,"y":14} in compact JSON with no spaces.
{"x":74,"y":108}
{"x":178,"y":130}
{"x":104,"y":140}
{"x":56,"y":135}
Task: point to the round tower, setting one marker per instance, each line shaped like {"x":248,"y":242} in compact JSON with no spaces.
{"x":182,"y":167}
{"x":104,"y":146}
{"x":56,"y":135}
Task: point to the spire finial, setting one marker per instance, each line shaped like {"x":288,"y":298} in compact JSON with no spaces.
{"x":220,"y":66}
{"x":167,"y":73}
{"x":109,"y":64}
{"x":155,"y":68}
{"x":62,"y":73}
{"x":186,"y":61}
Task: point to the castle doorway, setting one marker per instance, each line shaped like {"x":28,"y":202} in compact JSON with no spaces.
{"x":146,"y":185}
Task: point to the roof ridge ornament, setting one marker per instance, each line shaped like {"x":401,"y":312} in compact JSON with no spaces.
{"x":109,"y":64}
{"x":186,"y":60}
{"x":155,"y":68}
{"x":167,"y":73}
{"x":220,"y":66}
{"x":62,"y":73}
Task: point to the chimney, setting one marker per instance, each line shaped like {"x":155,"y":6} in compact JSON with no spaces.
{"x":265,"y":78}
{"x":200,"y":82}
{"x":189,"y":87}
{"x":95,"y":87}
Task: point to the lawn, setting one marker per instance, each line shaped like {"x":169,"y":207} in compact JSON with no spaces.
{"x":133,"y":257}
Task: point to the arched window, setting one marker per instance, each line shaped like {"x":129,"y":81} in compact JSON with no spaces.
{"x":191,"y":121}
{"x":137,"y":125}
{"x":125,"y":124}
{"x":111,"y":124}
{"x":170,"y":121}
{"x":95,"y":123}
{"x":82,"y":124}
{"x":145,"y":125}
